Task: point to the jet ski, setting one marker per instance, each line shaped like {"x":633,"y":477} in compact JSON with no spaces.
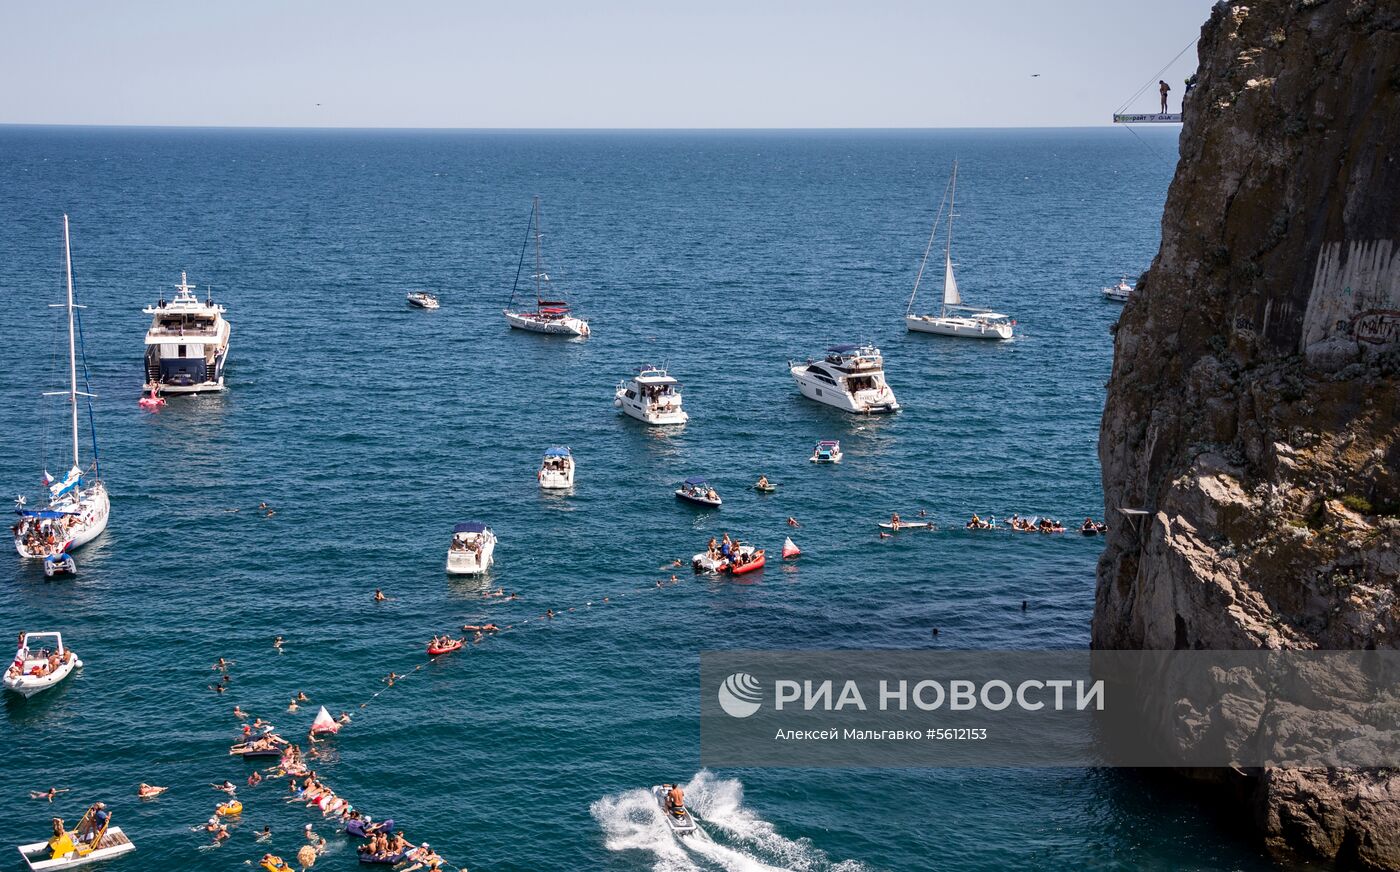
{"x":680,"y":821}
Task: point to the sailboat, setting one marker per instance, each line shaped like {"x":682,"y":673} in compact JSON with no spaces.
{"x":78,"y":506}
{"x":953,"y":318}
{"x":550,"y":315}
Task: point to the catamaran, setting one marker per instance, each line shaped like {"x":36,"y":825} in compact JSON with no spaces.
{"x":550,"y":315}
{"x":187,"y":343}
{"x":953,"y":319}
{"x":78,"y":505}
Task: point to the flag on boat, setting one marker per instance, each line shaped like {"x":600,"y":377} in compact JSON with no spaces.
{"x":790,"y":549}
{"x":58,"y":489}
{"x":324,"y":723}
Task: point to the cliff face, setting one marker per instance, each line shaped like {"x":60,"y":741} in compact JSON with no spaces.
{"x":1252,"y":412}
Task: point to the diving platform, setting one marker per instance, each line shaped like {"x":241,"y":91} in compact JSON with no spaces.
{"x":1162,"y":118}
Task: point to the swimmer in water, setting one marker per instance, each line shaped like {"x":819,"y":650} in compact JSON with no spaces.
{"x":391,"y":678}
{"x":265,"y":834}
{"x":292,"y":706}
{"x":792,"y":522}
{"x":344,"y":718}
{"x":302,"y":697}
{"x":379,"y":596}
{"x":277,"y":643}
{"x":240,"y":713}
{"x":221,"y":664}
{"x":46,"y":794}
{"x":549,"y":613}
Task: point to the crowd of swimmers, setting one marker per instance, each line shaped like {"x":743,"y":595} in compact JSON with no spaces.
{"x":1033,"y":525}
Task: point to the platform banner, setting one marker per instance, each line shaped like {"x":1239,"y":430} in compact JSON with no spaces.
{"x":1050,"y":708}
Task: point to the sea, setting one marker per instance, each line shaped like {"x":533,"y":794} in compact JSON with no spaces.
{"x":369,"y":429}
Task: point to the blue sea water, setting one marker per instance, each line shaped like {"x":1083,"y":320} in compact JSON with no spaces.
{"x":370,"y":428}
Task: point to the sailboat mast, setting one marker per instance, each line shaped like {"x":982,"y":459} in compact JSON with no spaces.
{"x":539,"y":257}
{"x":948,"y":243}
{"x":72,"y":341}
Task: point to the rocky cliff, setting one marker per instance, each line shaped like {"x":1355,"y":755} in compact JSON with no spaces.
{"x":1252,"y":412}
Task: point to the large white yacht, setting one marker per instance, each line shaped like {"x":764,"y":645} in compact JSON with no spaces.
{"x":651,"y":396}
{"x":187,"y":344}
{"x":850,"y":377}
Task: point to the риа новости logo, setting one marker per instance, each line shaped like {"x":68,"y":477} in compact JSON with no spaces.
{"x":740,"y":695}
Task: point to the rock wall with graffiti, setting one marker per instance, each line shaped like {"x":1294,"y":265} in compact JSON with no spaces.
{"x":1354,"y":306}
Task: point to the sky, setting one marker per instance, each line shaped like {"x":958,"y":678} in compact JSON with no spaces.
{"x":589,"y":63}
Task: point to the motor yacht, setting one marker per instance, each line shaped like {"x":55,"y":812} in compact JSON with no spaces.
{"x":187,"y":343}
{"x":651,"y":396}
{"x":850,"y":377}
{"x":472,"y":549}
{"x":1120,"y":292}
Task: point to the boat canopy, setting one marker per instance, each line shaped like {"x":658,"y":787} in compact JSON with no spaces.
{"x":828,"y":443}
{"x":45,"y":514}
{"x":844,"y":348}
{"x":470,"y":527}
{"x":557,"y":451}
{"x":696,"y":480}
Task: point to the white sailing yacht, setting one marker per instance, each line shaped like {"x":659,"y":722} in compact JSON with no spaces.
{"x":550,"y":315}
{"x":953,"y":319}
{"x":78,"y":506}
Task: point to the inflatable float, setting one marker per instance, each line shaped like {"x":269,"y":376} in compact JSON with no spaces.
{"x":363,"y":829}
{"x":754,"y":562}
{"x":230,"y":808}
{"x":435,"y":650}
{"x":274,"y":864}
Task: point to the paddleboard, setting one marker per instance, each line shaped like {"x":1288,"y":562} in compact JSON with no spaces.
{"x":906,"y":525}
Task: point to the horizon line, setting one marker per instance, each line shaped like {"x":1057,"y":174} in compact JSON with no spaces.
{"x":447,"y":129}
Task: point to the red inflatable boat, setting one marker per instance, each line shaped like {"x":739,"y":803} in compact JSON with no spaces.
{"x":454,"y":645}
{"x":755,"y":563}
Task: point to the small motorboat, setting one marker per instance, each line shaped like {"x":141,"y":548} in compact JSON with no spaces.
{"x":1119,"y":293}
{"x":422,"y":300}
{"x":748,"y":560}
{"x":363,"y":828}
{"x":764,"y":486}
{"x":790,"y":549}
{"x":678,"y":819}
{"x":69,"y":851}
{"x":61,"y":563}
{"x":472,"y":549}
{"x":827,"y":451}
{"x":448,"y":648}
{"x":37,"y":668}
{"x":696,"y":490}
{"x":557,"y":468}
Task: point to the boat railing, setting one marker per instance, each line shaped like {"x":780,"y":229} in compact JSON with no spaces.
{"x":182,"y":331}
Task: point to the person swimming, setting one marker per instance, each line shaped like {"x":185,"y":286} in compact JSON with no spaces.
{"x":379,"y":596}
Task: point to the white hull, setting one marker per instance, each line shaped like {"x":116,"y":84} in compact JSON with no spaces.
{"x":91,"y":522}
{"x":566,"y":326}
{"x":1113,"y":295}
{"x":865,"y":402}
{"x":657,"y":414}
{"x":966,"y":328}
{"x":469,"y":562}
{"x":28,"y":685}
{"x":114,"y":844}
{"x":201,"y":388}
{"x":555,"y":480}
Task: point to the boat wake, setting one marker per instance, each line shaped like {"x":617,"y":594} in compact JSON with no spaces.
{"x":731,"y":837}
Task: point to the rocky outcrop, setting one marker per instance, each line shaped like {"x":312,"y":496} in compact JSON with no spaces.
{"x":1252,"y":413}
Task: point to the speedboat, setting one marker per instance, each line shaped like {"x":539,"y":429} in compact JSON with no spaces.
{"x":187,"y":343}
{"x":953,"y":318}
{"x":850,"y":377}
{"x":678,"y":819}
{"x":557,"y":468}
{"x":78,"y":505}
{"x":87,"y":843}
{"x":472,"y":548}
{"x":1120,"y":292}
{"x":37,"y":668}
{"x":551,"y":313}
{"x":422,"y":300}
{"x":827,"y":451}
{"x":651,"y":396}
{"x":696,"y":490}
